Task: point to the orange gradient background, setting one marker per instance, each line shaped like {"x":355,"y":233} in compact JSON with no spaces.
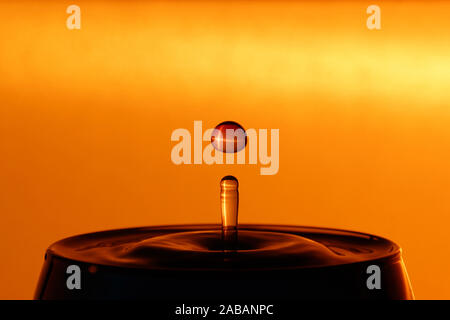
{"x":86,"y":118}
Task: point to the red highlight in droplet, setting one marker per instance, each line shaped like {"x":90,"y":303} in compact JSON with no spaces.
{"x":229,"y":137}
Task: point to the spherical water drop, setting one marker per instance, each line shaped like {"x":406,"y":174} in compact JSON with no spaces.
{"x":229,"y":137}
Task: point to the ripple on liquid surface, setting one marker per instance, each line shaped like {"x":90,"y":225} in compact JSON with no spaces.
{"x":201,"y":248}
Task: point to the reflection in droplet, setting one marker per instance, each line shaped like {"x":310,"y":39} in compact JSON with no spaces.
{"x":229,"y":137}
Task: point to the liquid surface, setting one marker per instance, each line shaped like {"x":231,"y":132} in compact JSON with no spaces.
{"x":201,"y":247}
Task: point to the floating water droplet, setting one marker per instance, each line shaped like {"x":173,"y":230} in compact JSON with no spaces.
{"x":229,"y":201}
{"x":229,"y":137}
